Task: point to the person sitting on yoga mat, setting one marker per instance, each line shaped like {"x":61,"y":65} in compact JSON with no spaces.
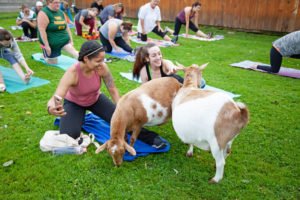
{"x":27,"y":19}
{"x":86,"y":20}
{"x":286,"y":46}
{"x":149,"y":65}
{"x":149,"y":21}
{"x":54,"y":33}
{"x":114,"y":35}
{"x":80,"y":87}
{"x":185,"y":17}
{"x":10,"y":51}
{"x":111,"y":11}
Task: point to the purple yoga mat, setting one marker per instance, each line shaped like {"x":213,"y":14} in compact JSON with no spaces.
{"x":284,"y":71}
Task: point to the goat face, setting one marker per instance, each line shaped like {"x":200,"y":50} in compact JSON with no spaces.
{"x":116,"y":148}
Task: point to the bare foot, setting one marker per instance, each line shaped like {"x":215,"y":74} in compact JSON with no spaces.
{"x":27,"y":78}
{"x":2,"y":87}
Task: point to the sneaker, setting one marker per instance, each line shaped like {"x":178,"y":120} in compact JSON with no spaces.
{"x":130,"y":58}
{"x":175,"y":39}
{"x":107,"y":60}
{"x":158,"y":143}
{"x":84,"y":141}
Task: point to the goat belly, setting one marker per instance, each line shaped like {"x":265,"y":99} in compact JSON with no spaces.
{"x":194,"y":120}
{"x":156,"y":113}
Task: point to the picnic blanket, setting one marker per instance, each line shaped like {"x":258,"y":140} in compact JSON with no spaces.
{"x":64,"y":62}
{"x":101,"y":130}
{"x":288,"y":72}
{"x":160,"y":43}
{"x":195,"y":37}
{"x":207,"y":87}
{"x":14,"y":84}
{"x":122,"y":55}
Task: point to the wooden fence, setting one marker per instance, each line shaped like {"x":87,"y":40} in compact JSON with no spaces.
{"x":251,"y":15}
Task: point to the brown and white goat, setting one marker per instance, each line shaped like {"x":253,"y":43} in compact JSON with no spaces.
{"x":206,"y":119}
{"x":149,"y":105}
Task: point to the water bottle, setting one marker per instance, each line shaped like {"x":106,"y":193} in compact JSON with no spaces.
{"x":69,"y":150}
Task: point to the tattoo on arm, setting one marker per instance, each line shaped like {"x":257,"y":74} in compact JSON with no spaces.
{"x":108,"y":80}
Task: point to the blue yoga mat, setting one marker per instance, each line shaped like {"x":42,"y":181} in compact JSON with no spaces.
{"x":64,"y":62}
{"x":14,"y":84}
{"x":101,"y":130}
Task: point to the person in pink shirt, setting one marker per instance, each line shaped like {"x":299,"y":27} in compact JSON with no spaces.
{"x":80,"y":88}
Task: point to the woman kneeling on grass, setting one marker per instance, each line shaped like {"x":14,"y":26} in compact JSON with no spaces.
{"x":10,"y":51}
{"x":80,"y":88}
{"x":149,"y":65}
{"x":54,"y":33}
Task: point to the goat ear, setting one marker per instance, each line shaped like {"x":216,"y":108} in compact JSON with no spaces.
{"x":130,"y":149}
{"x":101,"y":148}
{"x":202,"y":67}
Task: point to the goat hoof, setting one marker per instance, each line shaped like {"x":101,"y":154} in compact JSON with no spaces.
{"x":212,"y":181}
{"x":189,"y":154}
{"x":228,"y":151}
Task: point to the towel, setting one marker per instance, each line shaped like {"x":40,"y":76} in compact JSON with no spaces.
{"x":207,"y":87}
{"x":195,"y":37}
{"x":101,"y":129}
{"x":14,"y":84}
{"x":160,"y":43}
{"x":64,"y":62}
{"x":288,"y":72}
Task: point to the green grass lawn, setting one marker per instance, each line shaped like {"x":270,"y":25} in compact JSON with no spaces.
{"x":264,"y":164}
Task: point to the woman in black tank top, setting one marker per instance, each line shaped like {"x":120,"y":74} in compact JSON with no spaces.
{"x":149,"y":65}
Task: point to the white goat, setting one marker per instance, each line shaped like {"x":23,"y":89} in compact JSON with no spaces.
{"x":207,"y":119}
{"x":150,"y":104}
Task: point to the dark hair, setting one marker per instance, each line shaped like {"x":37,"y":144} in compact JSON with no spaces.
{"x":91,"y":49}
{"x":5,"y":35}
{"x":127,"y":26}
{"x":140,"y":59}
{"x":195,"y":4}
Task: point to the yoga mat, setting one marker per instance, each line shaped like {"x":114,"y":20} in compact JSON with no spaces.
{"x":27,"y":40}
{"x":64,"y":62}
{"x":195,"y":37}
{"x":207,"y":87}
{"x":288,"y":72}
{"x":101,"y":129}
{"x":122,"y":55}
{"x":14,"y":83}
{"x":160,"y":43}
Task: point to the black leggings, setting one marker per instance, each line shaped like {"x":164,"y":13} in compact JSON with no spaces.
{"x":178,"y":24}
{"x":71,"y":123}
{"x":26,"y":27}
{"x":275,"y":60}
{"x":119,"y":42}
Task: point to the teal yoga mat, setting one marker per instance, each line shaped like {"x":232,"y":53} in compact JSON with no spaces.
{"x":64,"y":62}
{"x":14,"y":84}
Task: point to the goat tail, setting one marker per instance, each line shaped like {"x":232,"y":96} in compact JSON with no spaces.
{"x":244,"y":113}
